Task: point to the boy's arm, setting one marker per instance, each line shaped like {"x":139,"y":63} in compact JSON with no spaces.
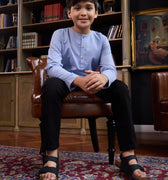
{"x":54,"y":61}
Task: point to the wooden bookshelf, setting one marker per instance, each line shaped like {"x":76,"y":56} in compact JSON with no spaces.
{"x":19,"y":117}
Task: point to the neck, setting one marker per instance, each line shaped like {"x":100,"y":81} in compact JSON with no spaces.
{"x":81,"y":31}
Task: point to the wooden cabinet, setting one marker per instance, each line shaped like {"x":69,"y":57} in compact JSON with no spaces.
{"x":15,"y":95}
{"x":7,"y":101}
{"x":15,"y":87}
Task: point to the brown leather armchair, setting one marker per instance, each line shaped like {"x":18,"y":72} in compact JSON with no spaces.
{"x":75,"y":105}
{"x":160,"y":100}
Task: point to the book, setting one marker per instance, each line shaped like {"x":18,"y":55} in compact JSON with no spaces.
{"x":43,"y":56}
{"x":31,"y":39}
{"x":48,"y":13}
{"x":2,"y":20}
{"x":57,"y":10}
{"x":109,"y":31}
{"x":119,"y":33}
{"x":12,"y":42}
{"x":115,"y":32}
{"x":8,"y":20}
{"x":53,"y":12}
{"x":10,"y":65}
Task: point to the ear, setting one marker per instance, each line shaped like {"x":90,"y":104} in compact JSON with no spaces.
{"x":69,"y":14}
{"x":96,"y":13}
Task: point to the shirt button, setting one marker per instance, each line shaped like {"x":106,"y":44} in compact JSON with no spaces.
{"x":83,"y":37}
{"x":82,"y":46}
{"x":81,"y":57}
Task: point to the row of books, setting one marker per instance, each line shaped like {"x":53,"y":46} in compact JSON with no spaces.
{"x":44,"y":56}
{"x":115,"y":31}
{"x":31,"y":39}
{"x":7,"y":20}
{"x":53,"y":12}
{"x":10,"y":65}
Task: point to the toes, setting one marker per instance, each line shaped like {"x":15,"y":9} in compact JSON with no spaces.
{"x":139,"y":173}
{"x":48,"y":176}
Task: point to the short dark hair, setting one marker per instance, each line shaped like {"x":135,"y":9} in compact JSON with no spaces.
{"x":70,"y":3}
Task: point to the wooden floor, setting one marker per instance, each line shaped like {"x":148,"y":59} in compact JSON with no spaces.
{"x":82,"y":143}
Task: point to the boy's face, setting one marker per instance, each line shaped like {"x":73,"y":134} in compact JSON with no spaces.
{"x":83,"y":15}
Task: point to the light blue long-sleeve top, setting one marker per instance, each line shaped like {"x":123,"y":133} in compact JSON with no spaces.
{"x":71,"y":53}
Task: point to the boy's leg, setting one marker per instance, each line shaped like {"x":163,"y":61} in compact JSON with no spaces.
{"x":54,"y":91}
{"x":118,"y":95}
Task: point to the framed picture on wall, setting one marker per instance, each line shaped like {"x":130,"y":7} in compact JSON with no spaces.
{"x":150,"y":39}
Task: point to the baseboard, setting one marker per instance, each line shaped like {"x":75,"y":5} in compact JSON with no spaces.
{"x":147,"y":132}
{"x":144,"y":128}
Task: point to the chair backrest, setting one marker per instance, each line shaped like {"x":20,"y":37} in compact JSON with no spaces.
{"x":37,"y":66}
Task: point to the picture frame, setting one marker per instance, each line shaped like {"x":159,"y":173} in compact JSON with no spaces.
{"x":150,"y":39}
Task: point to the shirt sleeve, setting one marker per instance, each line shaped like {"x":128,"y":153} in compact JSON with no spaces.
{"x":107,"y":66}
{"x":54,"y":66}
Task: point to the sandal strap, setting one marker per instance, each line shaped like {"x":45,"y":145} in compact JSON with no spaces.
{"x":128,"y":158}
{"x":50,"y":158}
{"x":47,"y":169}
{"x":136,"y":166}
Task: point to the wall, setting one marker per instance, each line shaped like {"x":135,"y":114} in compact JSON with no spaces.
{"x":139,"y":5}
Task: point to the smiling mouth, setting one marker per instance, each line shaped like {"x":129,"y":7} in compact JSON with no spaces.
{"x":83,"y":20}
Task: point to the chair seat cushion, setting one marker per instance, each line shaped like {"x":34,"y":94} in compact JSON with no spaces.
{"x":74,"y":97}
{"x":82,"y":97}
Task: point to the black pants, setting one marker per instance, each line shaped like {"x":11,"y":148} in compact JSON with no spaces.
{"x":55,"y":90}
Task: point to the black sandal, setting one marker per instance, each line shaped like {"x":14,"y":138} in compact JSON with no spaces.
{"x":46,"y":169}
{"x":129,"y":169}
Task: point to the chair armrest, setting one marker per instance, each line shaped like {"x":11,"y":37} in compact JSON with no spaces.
{"x":160,"y":86}
{"x":159,"y":82}
{"x":37,"y":66}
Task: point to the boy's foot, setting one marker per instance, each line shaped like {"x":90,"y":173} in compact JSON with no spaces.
{"x":50,"y":169}
{"x":129,"y":165}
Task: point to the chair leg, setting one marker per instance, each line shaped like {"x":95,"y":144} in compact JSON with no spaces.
{"x":93,"y":133}
{"x":111,"y":139}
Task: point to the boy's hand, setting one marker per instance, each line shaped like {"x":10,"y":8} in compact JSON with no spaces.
{"x":95,"y":81}
{"x":91,"y":83}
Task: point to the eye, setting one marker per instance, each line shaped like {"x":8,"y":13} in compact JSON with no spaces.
{"x":77,"y":8}
{"x":89,"y":8}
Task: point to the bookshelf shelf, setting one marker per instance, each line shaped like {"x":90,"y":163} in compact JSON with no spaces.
{"x":34,"y":49}
{"x":8,"y":51}
{"x":48,"y":25}
{"x":10,"y":29}
{"x":9,"y":8}
{"x":114,"y":42}
{"x":40,"y":3}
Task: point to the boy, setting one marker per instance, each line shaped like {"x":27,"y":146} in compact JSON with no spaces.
{"x":73,"y":59}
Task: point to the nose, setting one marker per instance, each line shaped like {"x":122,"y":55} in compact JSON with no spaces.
{"x":83,"y":12}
